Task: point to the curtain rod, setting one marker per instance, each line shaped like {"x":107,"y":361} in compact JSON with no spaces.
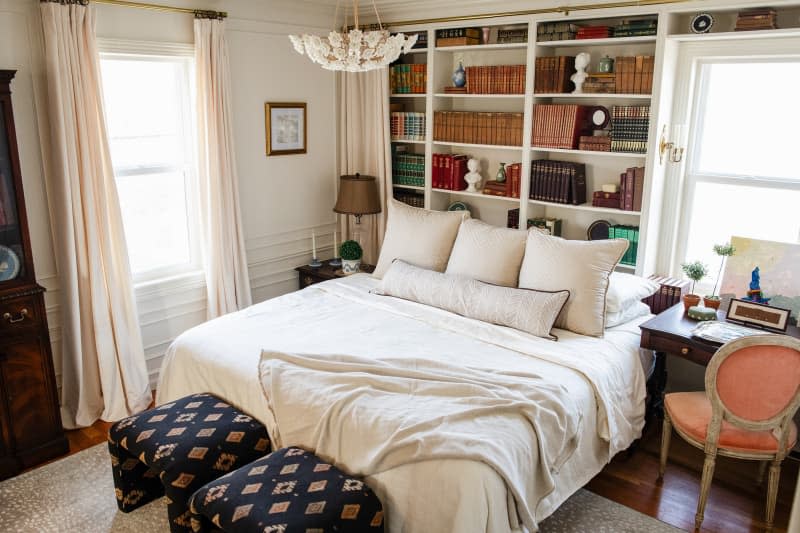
{"x":203,"y":13}
{"x":561,"y":9}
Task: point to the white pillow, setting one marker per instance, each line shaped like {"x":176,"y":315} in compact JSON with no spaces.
{"x":581,"y":267}
{"x":626,"y":289}
{"x":632,"y":311}
{"x":418,"y":236}
{"x":487,"y":253}
{"x":530,"y":311}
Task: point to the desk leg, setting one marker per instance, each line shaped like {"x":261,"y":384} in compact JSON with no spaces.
{"x":656,"y":387}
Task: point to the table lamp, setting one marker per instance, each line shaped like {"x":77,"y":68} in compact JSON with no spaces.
{"x":358,"y":195}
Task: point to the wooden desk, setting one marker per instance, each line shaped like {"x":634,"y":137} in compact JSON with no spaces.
{"x":670,"y":332}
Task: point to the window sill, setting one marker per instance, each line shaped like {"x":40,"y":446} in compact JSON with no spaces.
{"x":156,"y":287}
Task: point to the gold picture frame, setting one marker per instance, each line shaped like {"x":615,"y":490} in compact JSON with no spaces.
{"x":286,"y":127}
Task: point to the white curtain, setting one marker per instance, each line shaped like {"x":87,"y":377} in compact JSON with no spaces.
{"x":225,"y":261}
{"x":103,"y":367}
{"x":364,"y":148}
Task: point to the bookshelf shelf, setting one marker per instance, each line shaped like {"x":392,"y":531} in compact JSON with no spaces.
{"x":594,"y":96}
{"x":408,"y":141}
{"x":587,"y":207}
{"x":628,"y":155}
{"x":498,"y":96}
{"x":482,"y":47}
{"x":478,"y":195}
{"x":409,"y":187}
{"x":408,"y":95}
{"x":728,"y":35}
{"x":469,"y":145}
{"x":610,"y":41}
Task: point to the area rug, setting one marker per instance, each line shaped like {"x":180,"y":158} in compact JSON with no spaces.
{"x":77,"y":494}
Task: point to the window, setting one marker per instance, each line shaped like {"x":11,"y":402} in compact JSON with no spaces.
{"x":742,"y":177}
{"x":151,"y":135}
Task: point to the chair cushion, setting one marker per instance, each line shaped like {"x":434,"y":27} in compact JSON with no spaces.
{"x":691,"y":413}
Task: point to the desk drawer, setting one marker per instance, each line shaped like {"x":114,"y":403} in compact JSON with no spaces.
{"x":686,"y":350}
{"x":19,"y":315}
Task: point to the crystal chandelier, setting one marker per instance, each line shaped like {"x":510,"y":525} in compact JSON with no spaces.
{"x":356,"y":50}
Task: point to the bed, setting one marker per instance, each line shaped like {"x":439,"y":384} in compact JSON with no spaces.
{"x":600,"y":379}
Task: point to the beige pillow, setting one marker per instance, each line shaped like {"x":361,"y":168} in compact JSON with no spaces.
{"x":581,"y":267}
{"x":526,"y":310}
{"x":487,"y":253}
{"x":418,"y":236}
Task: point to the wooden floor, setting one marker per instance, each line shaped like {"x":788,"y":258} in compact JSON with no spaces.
{"x":736,"y":504}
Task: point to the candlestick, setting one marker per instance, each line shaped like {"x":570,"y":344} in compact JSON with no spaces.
{"x":314,"y":261}
{"x":335,"y":262}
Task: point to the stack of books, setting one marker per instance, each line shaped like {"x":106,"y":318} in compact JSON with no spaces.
{"x":408,"y":79}
{"x":448,"y":171}
{"x":560,"y":125}
{"x":595,"y":143}
{"x":593,"y":32}
{"x":512,"y":35}
{"x":757,"y":19}
{"x":634,"y":75}
{"x":668,"y":295}
{"x":458,"y":36}
{"x":610,"y":200}
{"x":636,"y":28}
{"x":501,"y":79}
{"x":407,"y":169}
{"x":407,"y":126}
{"x":411,"y":198}
{"x":556,"y":31}
{"x":560,"y":182}
{"x":478,"y":128}
{"x":509,"y":188}
{"x":629,"y":128}
{"x":600,"y":83}
{"x":552,"y":74}
{"x":631,"y":234}
{"x":551,"y":226}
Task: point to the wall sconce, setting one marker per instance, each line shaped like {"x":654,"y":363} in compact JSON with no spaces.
{"x":672,"y":148}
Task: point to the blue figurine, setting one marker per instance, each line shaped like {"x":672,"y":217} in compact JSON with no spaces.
{"x":754,"y":294}
{"x":459,"y":76}
{"x":755,"y":279}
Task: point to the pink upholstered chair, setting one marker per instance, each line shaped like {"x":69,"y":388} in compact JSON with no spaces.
{"x":752,"y":392}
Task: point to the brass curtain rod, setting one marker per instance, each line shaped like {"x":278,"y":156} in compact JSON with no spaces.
{"x":560,"y":9}
{"x":206,"y":13}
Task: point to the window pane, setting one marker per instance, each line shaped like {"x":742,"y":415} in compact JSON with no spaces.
{"x":748,"y":120}
{"x":721,"y":211}
{"x":155,"y":217}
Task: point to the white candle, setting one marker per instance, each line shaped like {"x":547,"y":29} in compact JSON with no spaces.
{"x":335,"y":246}
{"x":313,"y":245}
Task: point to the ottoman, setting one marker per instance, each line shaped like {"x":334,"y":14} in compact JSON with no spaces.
{"x":177,"y":448}
{"x":289,"y":491}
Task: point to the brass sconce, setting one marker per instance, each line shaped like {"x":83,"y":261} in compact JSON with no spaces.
{"x":671,"y":147}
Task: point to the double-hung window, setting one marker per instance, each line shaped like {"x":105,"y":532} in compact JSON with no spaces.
{"x":149,"y":110}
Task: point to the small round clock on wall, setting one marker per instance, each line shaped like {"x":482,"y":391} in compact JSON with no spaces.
{"x":702,"y":22}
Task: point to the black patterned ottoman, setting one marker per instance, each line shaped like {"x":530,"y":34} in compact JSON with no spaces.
{"x":289,"y":491}
{"x":177,"y":448}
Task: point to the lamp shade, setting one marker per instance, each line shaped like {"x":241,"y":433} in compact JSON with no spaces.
{"x":358,"y":195}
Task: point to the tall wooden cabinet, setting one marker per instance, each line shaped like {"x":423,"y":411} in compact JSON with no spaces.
{"x":30,"y":421}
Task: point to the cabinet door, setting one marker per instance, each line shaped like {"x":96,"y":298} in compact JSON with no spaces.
{"x":24,"y":369}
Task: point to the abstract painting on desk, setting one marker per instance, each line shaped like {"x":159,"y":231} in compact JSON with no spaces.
{"x":779,"y":264}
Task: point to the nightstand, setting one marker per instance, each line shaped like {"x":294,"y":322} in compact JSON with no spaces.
{"x":310,"y":275}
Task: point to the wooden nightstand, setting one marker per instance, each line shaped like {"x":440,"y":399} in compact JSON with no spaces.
{"x":309,"y":275}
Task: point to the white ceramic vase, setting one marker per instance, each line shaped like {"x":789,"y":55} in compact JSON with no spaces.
{"x":350,"y":266}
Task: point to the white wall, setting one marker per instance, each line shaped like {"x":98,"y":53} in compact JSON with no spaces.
{"x":283,"y":198}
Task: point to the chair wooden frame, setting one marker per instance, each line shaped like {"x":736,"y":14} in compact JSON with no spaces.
{"x":781,"y":421}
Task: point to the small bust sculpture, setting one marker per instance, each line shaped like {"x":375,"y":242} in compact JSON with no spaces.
{"x":581,"y":62}
{"x":473,"y":177}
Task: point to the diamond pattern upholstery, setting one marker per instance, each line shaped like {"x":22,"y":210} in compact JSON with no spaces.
{"x":289,"y":491}
{"x":178,"y":447}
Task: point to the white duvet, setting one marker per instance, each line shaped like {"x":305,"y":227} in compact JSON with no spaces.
{"x":586,"y":398}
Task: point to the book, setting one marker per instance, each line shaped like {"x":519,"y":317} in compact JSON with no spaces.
{"x":457,"y":41}
{"x":560,"y":125}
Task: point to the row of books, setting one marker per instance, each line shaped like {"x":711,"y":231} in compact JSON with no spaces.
{"x":631,"y":234}
{"x":635,"y":28}
{"x":668,"y":294}
{"x":556,"y":31}
{"x":629,"y":128}
{"x":560,"y":125}
{"x":512,"y":35}
{"x":560,"y":182}
{"x":496,"y":79}
{"x":448,"y":171}
{"x":634,"y":74}
{"x":408,"y":78}
{"x":407,"y":126}
{"x":551,"y":226}
{"x":422,"y":39}
{"x":629,"y":195}
{"x":478,"y":127}
{"x":593,"y":32}
{"x":510,"y":188}
{"x":757,"y":19}
{"x":552,"y":74}
{"x":411,"y":198}
{"x":407,"y":168}
{"x":458,"y":36}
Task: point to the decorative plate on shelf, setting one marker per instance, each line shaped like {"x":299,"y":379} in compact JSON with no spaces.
{"x":9,"y":263}
{"x":701,"y":23}
{"x":598,"y":230}
{"x":458,"y":206}
{"x":600,"y":117}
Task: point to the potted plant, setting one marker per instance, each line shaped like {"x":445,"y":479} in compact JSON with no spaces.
{"x":722,"y":250}
{"x":350,"y":252}
{"x":695,"y":271}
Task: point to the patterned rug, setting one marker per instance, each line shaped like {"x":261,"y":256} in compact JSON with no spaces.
{"x":77,"y":494}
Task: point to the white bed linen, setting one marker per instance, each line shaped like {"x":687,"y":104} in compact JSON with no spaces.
{"x":222,"y":357}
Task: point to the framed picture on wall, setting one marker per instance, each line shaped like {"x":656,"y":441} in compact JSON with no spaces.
{"x":286,"y":128}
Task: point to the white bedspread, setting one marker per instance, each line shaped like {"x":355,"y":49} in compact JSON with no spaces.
{"x":599,"y":380}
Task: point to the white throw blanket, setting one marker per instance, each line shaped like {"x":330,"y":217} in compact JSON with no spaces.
{"x":370,"y":416}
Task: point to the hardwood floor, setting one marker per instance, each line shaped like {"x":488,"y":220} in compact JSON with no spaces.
{"x":736,"y":504}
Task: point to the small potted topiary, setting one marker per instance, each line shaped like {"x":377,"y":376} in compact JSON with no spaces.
{"x":350,"y":252}
{"x":695,"y":271}
{"x":724,"y":251}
